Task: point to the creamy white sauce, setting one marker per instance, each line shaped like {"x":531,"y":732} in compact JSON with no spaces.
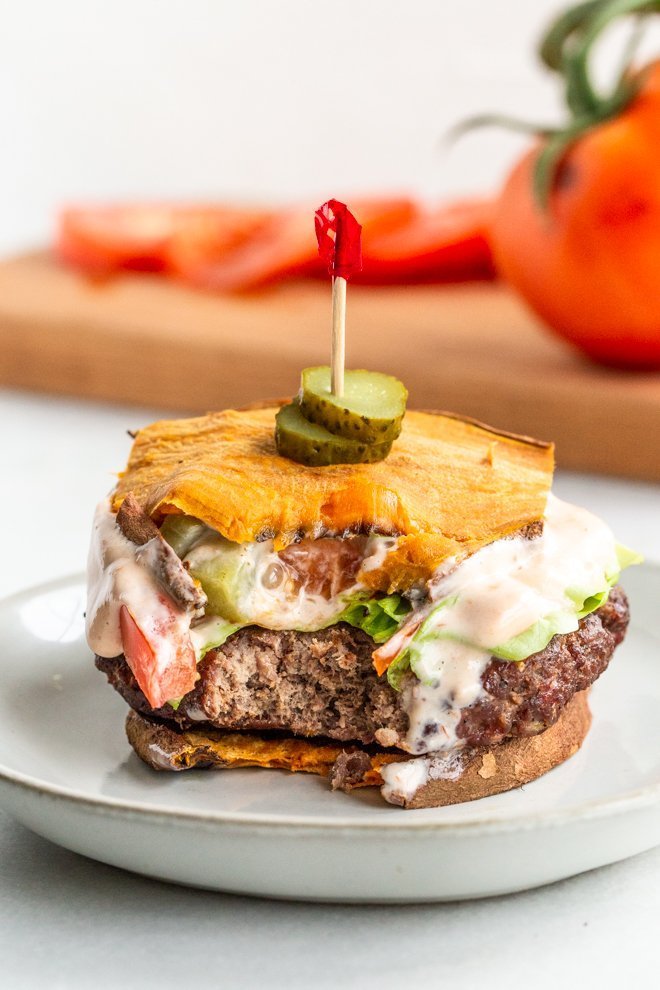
{"x":209,"y":630}
{"x":161,"y":758}
{"x":255,"y":601}
{"x":402,"y":781}
{"x":452,"y":681}
{"x":500,"y":592}
{"x":378,"y":548}
{"x":121,"y":573}
{"x":195,"y":713}
{"x":509,"y":585}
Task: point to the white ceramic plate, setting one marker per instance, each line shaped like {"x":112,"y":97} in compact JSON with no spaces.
{"x":66,"y":771}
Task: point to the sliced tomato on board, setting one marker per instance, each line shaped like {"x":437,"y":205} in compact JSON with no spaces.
{"x":446,"y":244}
{"x":154,"y":237}
{"x":101,"y":240}
{"x":286,"y":247}
{"x":202,"y":238}
{"x":234,"y":248}
{"x":161,"y":677}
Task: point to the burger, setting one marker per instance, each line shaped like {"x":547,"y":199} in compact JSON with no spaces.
{"x":428,"y":621}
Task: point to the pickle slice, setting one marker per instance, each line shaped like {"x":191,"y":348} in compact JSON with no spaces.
{"x":370,"y":410}
{"x":309,"y":444}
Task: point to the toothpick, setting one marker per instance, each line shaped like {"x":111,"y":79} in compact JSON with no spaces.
{"x":338,"y":350}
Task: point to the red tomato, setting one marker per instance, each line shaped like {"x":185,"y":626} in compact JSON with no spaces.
{"x":202,"y":238}
{"x":286,"y":247}
{"x":588,"y":264}
{"x":104,"y":239}
{"x":181,"y":238}
{"x":235,"y":248}
{"x":324,"y":567}
{"x":160,"y":678}
{"x":450,"y":243}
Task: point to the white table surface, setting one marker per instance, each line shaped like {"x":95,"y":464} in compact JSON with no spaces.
{"x":69,"y":922}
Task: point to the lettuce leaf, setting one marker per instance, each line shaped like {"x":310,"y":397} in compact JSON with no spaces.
{"x":532,"y":640}
{"x":627,"y":557}
{"x":212,"y":632}
{"x":397,"y":669}
{"x":378,"y":617}
{"x":406,"y":658}
{"x":537,"y":637}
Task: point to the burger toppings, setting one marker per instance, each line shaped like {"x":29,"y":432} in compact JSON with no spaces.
{"x":358,"y":427}
{"x":306,"y":586}
{"x":506,"y":601}
{"x":313,"y":445}
{"x":513,"y":595}
{"x":165,"y":613}
{"x":324,"y":684}
{"x":438,"y":490}
{"x":162,"y":658}
{"x":166,"y":566}
{"x":371,"y":408}
{"x":340,"y":417}
{"x":133,"y":609}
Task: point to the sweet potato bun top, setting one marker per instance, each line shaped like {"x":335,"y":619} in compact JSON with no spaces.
{"x":449,"y":486}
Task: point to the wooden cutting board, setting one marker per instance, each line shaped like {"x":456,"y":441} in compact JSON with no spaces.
{"x":473,"y":349}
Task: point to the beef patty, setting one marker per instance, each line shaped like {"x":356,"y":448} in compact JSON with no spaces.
{"x":324,"y":684}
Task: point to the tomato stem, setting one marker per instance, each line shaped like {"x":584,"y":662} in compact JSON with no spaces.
{"x":566,"y":50}
{"x":561,"y":30}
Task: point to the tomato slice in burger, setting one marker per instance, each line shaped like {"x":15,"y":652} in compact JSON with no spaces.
{"x":164,"y":668}
{"x":325,"y":566}
{"x":450,"y":243}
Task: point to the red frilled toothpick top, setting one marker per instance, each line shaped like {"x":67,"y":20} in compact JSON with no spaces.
{"x":339,"y":236}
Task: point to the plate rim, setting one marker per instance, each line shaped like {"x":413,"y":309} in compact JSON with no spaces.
{"x":636,"y":799}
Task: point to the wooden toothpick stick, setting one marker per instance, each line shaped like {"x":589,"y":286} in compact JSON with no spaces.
{"x":340,"y":246}
{"x":338,"y":349}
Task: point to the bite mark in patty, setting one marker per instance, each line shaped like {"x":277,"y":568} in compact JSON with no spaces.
{"x":324,"y":684}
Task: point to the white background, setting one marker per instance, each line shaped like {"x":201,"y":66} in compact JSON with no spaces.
{"x":258,"y":99}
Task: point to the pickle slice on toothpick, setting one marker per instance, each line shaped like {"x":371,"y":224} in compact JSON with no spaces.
{"x":369,"y":410}
{"x":340,"y":417}
{"x":313,"y":445}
